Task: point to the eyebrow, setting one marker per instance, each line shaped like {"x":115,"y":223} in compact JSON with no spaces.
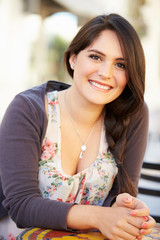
{"x":96,"y":51}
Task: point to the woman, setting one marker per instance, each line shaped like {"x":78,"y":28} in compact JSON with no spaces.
{"x":73,"y":153}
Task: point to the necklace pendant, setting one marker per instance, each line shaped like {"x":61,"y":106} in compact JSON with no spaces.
{"x":83,"y":148}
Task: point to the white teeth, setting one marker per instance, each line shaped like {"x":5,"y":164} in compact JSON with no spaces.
{"x":100,"y":86}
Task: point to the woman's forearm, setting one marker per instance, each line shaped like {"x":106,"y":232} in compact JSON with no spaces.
{"x":83,"y":216}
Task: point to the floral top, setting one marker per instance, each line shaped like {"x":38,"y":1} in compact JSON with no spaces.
{"x":90,"y":186}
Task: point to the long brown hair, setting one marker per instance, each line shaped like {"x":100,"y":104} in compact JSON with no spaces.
{"x":118,"y":112}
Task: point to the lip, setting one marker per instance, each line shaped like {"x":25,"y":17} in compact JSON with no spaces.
{"x":102,"y":87}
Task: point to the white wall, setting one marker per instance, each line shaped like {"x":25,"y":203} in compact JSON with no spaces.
{"x":17,"y":31}
{"x":151,"y":45}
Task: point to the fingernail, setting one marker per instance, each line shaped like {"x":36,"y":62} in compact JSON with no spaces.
{"x":139,"y":238}
{"x":133,"y":213}
{"x":146,"y":218}
{"x":144,"y":225}
{"x":143,"y":231}
{"x":128,"y":199}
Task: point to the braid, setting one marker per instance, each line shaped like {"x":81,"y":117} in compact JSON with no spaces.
{"x":116,"y":129}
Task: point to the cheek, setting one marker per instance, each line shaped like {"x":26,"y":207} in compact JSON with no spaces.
{"x":121,"y":80}
{"x":83,"y":70}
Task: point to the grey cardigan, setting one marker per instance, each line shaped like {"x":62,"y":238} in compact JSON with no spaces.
{"x":21,"y":133}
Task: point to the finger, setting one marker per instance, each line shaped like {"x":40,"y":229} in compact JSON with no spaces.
{"x":149,"y":224}
{"x":140,"y":237}
{"x":129,"y":235}
{"x":123,"y":198}
{"x":126,"y":236}
{"x":145,"y":218}
{"x":126,"y":200}
{"x":140,"y":204}
{"x":137,"y":221}
{"x":129,"y":202}
{"x":129,"y":231}
{"x":145,"y":231}
{"x":118,"y":234}
{"x":140,"y":212}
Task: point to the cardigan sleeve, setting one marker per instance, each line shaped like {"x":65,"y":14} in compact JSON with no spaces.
{"x":20,"y":147}
{"x":137,"y":137}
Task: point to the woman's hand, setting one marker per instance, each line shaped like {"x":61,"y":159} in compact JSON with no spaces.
{"x":118,"y":223}
{"x":126,"y":200}
{"x":139,"y":209}
{"x":114,"y":223}
{"x":128,"y":219}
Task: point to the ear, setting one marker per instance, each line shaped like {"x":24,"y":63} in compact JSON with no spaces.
{"x":72,"y":60}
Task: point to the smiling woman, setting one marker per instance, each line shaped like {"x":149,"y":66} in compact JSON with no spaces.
{"x":100,"y":68}
{"x":77,"y":150}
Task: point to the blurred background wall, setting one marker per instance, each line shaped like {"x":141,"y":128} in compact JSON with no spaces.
{"x":35,"y":33}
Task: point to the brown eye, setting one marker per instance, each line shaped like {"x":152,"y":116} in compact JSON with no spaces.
{"x":120,"y":65}
{"x":95,"y":57}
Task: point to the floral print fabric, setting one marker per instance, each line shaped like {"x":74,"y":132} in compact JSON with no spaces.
{"x":90,"y":186}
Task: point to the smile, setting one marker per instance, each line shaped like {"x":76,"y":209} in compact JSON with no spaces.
{"x":100,"y":86}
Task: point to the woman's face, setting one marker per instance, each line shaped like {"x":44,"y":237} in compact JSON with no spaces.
{"x":99,"y":70}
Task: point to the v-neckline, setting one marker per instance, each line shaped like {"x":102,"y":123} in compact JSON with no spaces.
{"x":100,"y":150}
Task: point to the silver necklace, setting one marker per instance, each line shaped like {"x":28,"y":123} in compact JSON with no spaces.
{"x":84,"y":143}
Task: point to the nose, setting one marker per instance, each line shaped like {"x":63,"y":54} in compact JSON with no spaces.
{"x":105,"y":70}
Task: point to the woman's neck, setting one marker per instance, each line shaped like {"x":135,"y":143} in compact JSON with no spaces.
{"x":81,"y":111}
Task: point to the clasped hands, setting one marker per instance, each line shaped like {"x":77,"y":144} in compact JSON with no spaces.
{"x":138,"y":209}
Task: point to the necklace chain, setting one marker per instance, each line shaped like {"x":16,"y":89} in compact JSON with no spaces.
{"x":83,"y":147}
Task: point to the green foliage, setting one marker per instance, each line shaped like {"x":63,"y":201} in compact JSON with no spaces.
{"x":56,"y":48}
